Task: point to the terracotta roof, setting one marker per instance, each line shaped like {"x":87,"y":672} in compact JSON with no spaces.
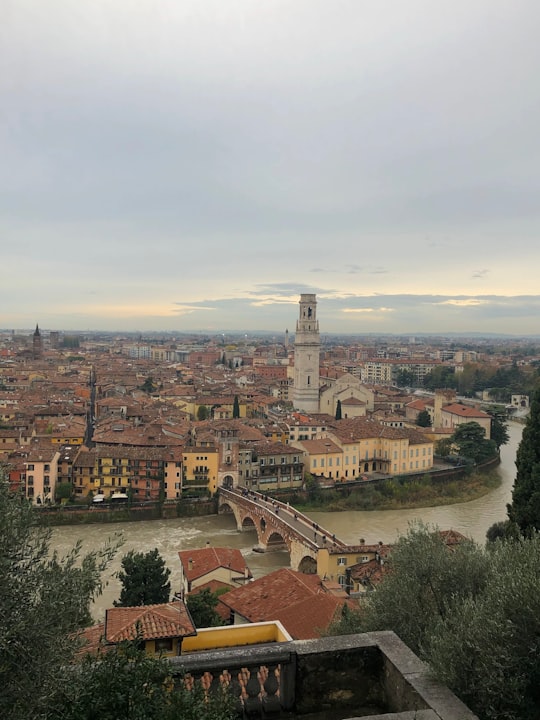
{"x":148,"y":622}
{"x":91,"y":641}
{"x":369,"y":573}
{"x":205,"y":560}
{"x":309,"y":618}
{"x":352,"y":401}
{"x":452,"y":537}
{"x":299,"y":601}
{"x":464,"y":411}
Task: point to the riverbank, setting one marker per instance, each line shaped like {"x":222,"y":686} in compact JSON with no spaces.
{"x":402,"y":494}
{"x":84,"y":515}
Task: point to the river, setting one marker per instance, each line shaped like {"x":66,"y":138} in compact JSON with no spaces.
{"x":169,"y":536}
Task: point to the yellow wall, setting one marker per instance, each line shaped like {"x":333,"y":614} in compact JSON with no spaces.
{"x":329,"y":568}
{"x":235,"y":636}
{"x":200,"y":457}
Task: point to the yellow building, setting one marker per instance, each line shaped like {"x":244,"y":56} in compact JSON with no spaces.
{"x":324,"y":457}
{"x":200,"y":464}
{"x":336,"y":563}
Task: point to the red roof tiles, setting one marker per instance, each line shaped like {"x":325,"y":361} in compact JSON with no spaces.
{"x":148,"y":622}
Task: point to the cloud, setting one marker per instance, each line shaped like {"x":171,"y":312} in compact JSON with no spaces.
{"x":367,"y":310}
{"x":463,"y":302}
{"x":182,"y":309}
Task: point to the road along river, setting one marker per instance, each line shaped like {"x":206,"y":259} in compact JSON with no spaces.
{"x":169,"y":536}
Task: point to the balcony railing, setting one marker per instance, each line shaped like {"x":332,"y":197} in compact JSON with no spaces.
{"x":349,"y":676}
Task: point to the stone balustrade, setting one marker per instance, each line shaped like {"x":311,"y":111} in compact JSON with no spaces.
{"x":351,"y":676}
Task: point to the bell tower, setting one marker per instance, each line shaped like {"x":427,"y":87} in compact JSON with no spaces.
{"x":307,"y":344}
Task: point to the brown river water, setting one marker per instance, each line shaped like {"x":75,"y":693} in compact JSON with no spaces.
{"x":169,"y":536}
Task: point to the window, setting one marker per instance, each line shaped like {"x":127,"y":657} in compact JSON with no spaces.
{"x":47,"y":467}
{"x":342,"y":561}
{"x":30,"y":467}
{"x":163,"y":645}
{"x":30,"y":480}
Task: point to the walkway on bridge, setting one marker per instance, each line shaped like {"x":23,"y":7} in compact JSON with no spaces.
{"x":311,"y":533}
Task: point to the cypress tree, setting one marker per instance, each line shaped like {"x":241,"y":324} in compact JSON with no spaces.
{"x":338,"y":410}
{"x":236,"y":407}
{"x":524,"y":510}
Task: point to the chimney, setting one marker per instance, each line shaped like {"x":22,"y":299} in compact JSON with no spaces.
{"x":190,"y":564}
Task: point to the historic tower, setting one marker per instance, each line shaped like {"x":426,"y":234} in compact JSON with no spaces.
{"x":37,"y":344}
{"x":307,"y":345}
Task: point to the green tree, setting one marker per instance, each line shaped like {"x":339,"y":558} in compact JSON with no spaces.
{"x":469,"y":438}
{"x":472,"y":614}
{"x":126,"y":683}
{"x":348,"y":622}
{"x":499,"y":429}
{"x":236,"y":407}
{"x":524,"y":510}
{"x":338,"y":410}
{"x":148,"y":385}
{"x":202,"y":608}
{"x":423,"y":419}
{"x":498,"y":531}
{"x":406,"y":378}
{"x":144,"y":578}
{"x":430,"y":577}
{"x":313,"y":487}
{"x":45,"y":598}
{"x":63,"y":491}
{"x":443,"y":447}
{"x":202,"y":412}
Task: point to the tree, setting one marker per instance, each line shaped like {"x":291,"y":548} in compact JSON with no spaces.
{"x":430,"y":577}
{"x":423,"y":419}
{"x":148,"y":385}
{"x":202,"y":412}
{"x":498,"y":531}
{"x":144,"y":578}
{"x":45,"y":598}
{"x":524,"y":510}
{"x":338,"y":410}
{"x":472,"y":614}
{"x":469,"y":438}
{"x":128,"y":683}
{"x":63,"y":491}
{"x":236,"y":407}
{"x":202,"y":608}
{"x":405,"y":378}
{"x":499,"y":429}
{"x":348,"y":622}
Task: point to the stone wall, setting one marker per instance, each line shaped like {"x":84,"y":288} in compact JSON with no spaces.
{"x":351,"y":676}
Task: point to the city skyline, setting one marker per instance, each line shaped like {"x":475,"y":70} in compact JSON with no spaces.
{"x":198,"y":166}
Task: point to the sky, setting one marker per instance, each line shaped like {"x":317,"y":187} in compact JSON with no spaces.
{"x":192,"y":165}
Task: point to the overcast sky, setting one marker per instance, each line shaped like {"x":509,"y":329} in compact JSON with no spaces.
{"x":197,"y":164}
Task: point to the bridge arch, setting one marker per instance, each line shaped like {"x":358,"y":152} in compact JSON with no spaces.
{"x":275,"y":539}
{"x":225,"y":509}
{"x":248,"y":523}
{"x":308,"y":565}
{"x":276,"y":525}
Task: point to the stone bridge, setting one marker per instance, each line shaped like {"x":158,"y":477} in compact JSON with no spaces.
{"x":279,"y":526}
